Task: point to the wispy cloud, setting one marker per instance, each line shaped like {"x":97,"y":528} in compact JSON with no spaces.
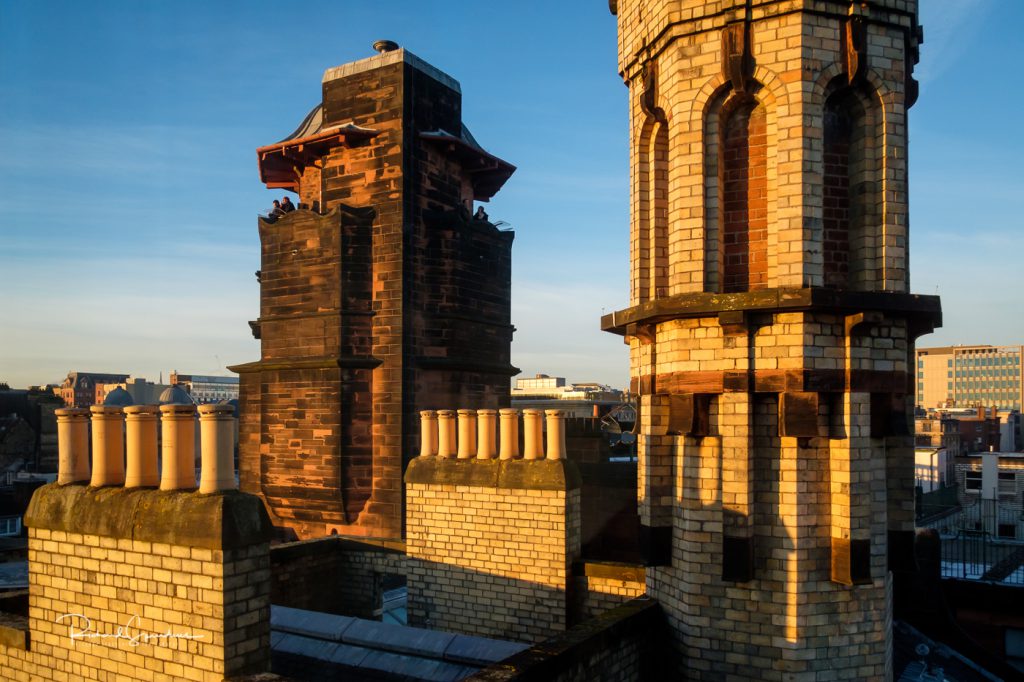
{"x":950,"y":27}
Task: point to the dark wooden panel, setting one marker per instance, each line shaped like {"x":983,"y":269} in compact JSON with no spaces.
{"x":798,"y":414}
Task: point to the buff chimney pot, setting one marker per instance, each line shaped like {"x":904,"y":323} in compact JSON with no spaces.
{"x":141,"y":445}
{"x":107,"y":445}
{"x":72,"y":445}
{"x":217,"y":433}
{"x":428,"y":433}
{"x":179,"y":447}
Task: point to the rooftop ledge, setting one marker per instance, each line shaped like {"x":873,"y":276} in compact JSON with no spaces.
{"x":217,"y":521}
{"x":926,"y":309}
{"x":387,"y":58}
{"x":519,"y":474}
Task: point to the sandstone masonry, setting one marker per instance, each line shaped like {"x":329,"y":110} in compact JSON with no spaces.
{"x":379,"y":297}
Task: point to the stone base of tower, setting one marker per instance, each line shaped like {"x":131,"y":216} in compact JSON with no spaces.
{"x":723,"y":630}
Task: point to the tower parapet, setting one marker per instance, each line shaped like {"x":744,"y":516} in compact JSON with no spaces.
{"x":771,"y":328}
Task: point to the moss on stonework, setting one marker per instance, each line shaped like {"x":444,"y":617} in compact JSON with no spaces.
{"x":520,"y":474}
{"x":224,"y":520}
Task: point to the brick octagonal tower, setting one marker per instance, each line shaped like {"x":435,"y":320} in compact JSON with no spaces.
{"x":771,"y":328}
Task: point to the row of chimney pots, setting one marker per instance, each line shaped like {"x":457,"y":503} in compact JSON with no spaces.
{"x":471,"y":434}
{"x":132,"y":431}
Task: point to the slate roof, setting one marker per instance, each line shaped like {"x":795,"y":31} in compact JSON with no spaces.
{"x":308,"y":645}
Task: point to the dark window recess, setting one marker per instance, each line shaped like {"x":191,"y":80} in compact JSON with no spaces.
{"x":737,"y":559}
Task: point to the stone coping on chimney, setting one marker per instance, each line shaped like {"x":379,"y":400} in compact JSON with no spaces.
{"x":521,"y":474}
{"x":217,"y":521}
{"x":14,"y":631}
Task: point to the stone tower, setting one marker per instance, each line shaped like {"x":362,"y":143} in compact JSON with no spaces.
{"x":771,"y":328}
{"x":380,"y":296}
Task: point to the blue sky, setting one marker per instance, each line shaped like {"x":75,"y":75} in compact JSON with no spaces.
{"x":127,"y":159}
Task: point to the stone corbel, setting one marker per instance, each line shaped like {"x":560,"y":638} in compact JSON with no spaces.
{"x":855,"y":49}
{"x":798,"y":414}
{"x":689,"y":414}
{"x":649,"y":95}
{"x":738,"y":56}
{"x":644,"y":333}
{"x":733,"y":322}
{"x":865,"y":319}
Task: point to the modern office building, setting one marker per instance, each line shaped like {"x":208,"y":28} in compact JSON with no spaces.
{"x":207,"y":389}
{"x":970,"y":376}
{"x":583,"y":399}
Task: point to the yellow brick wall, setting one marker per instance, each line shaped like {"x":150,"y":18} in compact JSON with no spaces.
{"x":797,"y":57}
{"x":488,"y":561}
{"x":219,"y":597}
{"x":792,"y":497}
{"x":598,"y":594}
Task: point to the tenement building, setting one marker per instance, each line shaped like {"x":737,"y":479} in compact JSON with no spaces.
{"x":380,"y":296}
{"x":771,"y":326}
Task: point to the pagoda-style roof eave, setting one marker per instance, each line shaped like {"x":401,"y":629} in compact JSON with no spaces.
{"x":489,"y":172}
{"x":279,"y":161}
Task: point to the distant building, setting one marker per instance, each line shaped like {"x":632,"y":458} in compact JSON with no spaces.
{"x":207,"y":389}
{"x":997,"y":477}
{"x":933,"y":468}
{"x":970,"y":376}
{"x":79,"y":388}
{"x":938,"y":430}
{"x":584,"y":399}
{"x":143,"y":392}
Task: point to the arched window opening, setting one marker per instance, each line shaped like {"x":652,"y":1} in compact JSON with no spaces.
{"x":652,"y":238}
{"x":850,"y":195}
{"x":743,"y":179}
{"x":659,"y":213}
